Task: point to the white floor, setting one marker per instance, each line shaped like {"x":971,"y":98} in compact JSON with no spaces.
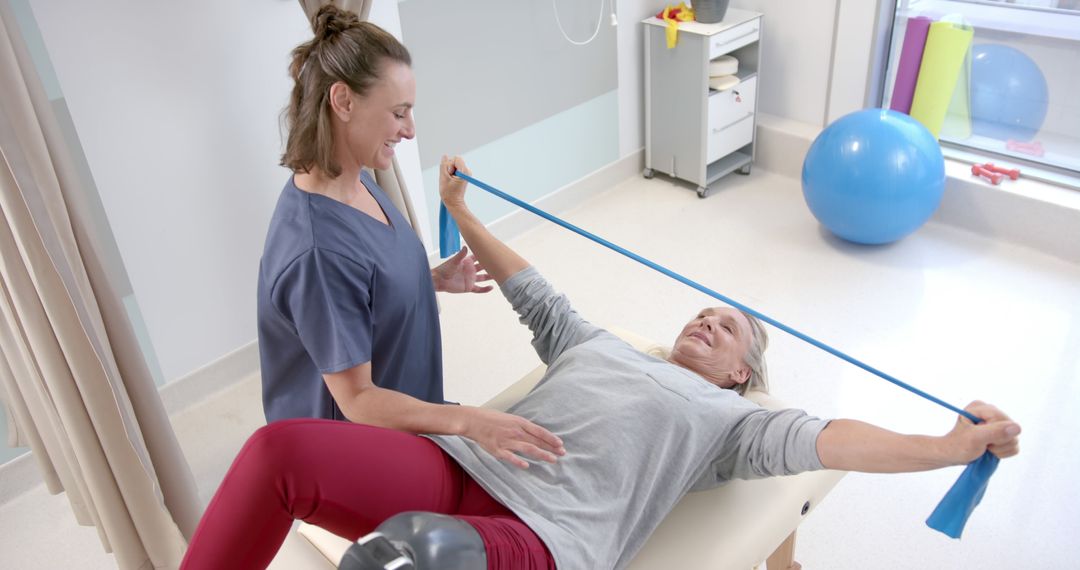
{"x":960,"y":315}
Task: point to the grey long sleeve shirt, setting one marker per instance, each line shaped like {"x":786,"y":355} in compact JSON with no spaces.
{"x":639,"y":434}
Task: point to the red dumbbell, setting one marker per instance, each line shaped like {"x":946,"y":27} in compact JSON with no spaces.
{"x":1012,"y":173}
{"x":993,"y":177}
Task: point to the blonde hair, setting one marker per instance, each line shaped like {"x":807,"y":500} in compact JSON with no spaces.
{"x":343,"y":49}
{"x":755,"y":358}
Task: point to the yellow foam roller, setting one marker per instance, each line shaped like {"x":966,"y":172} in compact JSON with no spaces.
{"x":943,"y":59}
{"x":957,"y":124}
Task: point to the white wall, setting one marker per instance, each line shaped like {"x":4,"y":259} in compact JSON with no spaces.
{"x":796,"y":56}
{"x":177,"y":105}
{"x":179,"y":124}
{"x":856,"y":27}
{"x":631,"y":62}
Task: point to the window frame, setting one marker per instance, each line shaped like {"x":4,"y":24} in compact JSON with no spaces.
{"x":877,"y":94}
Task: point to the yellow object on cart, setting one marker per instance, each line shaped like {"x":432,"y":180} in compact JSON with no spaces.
{"x":673,"y":15}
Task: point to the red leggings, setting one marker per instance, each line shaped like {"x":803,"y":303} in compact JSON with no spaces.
{"x":346,"y":478}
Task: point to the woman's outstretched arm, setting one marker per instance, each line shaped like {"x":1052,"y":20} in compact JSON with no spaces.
{"x":497,"y":258}
{"x":852,"y":445}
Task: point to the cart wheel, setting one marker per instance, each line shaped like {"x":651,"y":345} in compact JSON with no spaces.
{"x":745,"y":170}
{"x":647,"y":173}
{"x":702,"y":191}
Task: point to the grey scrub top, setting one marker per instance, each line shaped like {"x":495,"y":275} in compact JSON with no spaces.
{"x":337,"y":288}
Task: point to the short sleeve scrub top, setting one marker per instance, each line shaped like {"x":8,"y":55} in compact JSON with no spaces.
{"x":338,"y":288}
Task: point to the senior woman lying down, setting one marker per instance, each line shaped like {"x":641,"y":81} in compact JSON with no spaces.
{"x":634,"y":433}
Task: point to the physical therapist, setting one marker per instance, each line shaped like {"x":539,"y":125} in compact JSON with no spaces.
{"x":347,"y":318}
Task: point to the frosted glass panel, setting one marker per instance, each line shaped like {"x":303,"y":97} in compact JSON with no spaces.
{"x":498,"y":83}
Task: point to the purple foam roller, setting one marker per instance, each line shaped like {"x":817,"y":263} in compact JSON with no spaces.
{"x":907,"y":72}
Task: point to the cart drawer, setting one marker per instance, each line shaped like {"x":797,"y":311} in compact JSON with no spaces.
{"x":735,"y":38}
{"x":729,"y":110}
{"x":722,"y":142}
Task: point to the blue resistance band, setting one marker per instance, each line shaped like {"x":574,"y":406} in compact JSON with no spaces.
{"x":952,"y":512}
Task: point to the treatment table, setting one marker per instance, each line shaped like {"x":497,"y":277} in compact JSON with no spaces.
{"x":736,"y":526}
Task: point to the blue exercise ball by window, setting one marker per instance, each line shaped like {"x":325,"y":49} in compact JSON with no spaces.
{"x":873,"y":176}
{"x":1008,"y":93}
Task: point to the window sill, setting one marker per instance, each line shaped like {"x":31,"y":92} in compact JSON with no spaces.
{"x":1028,"y":212}
{"x":1036,"y":214}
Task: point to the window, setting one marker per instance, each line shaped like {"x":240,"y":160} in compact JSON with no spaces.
{"x":997,"y":79}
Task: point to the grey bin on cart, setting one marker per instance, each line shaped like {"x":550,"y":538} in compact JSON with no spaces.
{"x":709,"y":11}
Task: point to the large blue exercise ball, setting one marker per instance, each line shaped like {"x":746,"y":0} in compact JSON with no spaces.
{"x":1008,"y":93}
{"x":873,"y":176}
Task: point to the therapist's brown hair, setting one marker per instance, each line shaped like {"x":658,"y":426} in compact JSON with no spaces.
{"x":343,"y":49}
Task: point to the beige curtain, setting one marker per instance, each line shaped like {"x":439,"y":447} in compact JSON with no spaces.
{"x":73,"y":378}
{"x":389,"y":180}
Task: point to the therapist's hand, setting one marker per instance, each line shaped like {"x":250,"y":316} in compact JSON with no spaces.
{"x":460,"y":274}
{"x":507,"y":436}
